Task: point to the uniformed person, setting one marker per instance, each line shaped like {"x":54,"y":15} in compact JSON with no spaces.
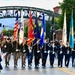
{"x":7,"y":47}
{"x":56,"y":51}
{"x":67,"y":55}
{"x":52,"y":53}
{"x":15,"y":52}
{"x":37,"y":53}
{"x":61,"y":50}
{"x":73,"y":56}
{"x":30,"y":55}
{"x":44,"y":53}
{"x":23,"y":49}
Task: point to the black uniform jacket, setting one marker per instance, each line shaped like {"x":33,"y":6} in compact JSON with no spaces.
{"x":7,"y":47}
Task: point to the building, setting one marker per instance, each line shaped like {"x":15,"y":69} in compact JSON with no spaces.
{"x":57,"y":9}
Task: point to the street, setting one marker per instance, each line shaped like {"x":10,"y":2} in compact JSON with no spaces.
{"x":10,"y":70}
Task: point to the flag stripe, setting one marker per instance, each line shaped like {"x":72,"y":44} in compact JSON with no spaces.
{"x":16,"y":30}
{"x":16,"y":27}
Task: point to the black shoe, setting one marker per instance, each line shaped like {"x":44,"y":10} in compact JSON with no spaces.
{"x":7,"y":63}
{"x":15,"y":66}
{"x":51,"y":66}
{"x":66,"y":66}
{"x":36,"y":66}
{"x":23,"y":65}
{"x":59,"y":66}
{"x":29,"y":66}
{"x":43,"y":66}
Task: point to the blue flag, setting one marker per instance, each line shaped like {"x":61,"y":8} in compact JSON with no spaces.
{"x":43,"y":32}
{"x":71,"y":38}
{"x":36,"y":30}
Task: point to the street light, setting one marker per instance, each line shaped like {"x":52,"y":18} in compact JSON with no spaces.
{"x":52,"y":29}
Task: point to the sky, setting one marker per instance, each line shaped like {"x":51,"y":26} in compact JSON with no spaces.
{"x":44,"y":4}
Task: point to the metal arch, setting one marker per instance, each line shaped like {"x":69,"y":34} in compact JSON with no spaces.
{"x":25,"y":8}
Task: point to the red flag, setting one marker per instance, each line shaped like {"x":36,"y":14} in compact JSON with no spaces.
{"x":16,"y":30}
{"x":30,"y":30}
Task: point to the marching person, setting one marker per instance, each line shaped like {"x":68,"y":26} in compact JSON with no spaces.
{"x":44,"y":53}
{"x":24,"y":49}
{"x":67,"y":55}
{"x":7,"y":47}
{"x":61,"y":50}
{"x":37,"y":53}
{"x":15,"y":52}
{"x":52,"y":53}
{"x":73,"y":56}
{"x":30,"y":55}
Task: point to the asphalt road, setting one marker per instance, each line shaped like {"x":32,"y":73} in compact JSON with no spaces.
{"x":32,"y":71}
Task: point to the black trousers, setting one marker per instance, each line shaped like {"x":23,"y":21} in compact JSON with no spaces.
{"x":0,"y":66}
{"x":37,"y":58}
{"x":60,"y":60}
{"x":44,"y":58}
{"x":7,"y":58}
{"x":30,"y":57}
{"x":67,"y":60}
{"x":73,"y":59}
{"x":51,"y":56}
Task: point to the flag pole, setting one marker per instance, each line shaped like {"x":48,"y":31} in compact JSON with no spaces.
{"x":53,"y":33}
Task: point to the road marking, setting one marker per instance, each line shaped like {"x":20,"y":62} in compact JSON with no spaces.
{"x":66,"y":70}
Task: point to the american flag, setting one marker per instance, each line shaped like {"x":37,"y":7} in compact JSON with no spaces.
{"x":16,"y":30}
{"x":16,"y":27}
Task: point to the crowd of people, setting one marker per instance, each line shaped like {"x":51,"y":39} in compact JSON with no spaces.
{"x":55,"y":49}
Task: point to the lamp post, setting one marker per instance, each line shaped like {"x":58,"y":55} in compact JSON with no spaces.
{"x":52,"y":29}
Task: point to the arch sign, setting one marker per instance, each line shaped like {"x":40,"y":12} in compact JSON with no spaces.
{"x":9,"y":12}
